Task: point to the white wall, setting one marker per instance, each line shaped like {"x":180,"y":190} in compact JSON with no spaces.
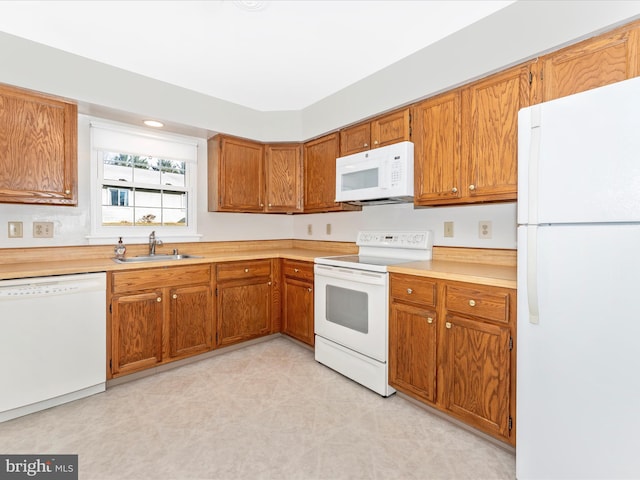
{"x":345,"y":225}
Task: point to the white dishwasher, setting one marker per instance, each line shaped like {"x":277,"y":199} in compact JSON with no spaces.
{"x":52,"y":341}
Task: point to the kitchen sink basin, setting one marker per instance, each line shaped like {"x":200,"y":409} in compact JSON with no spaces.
{"x":159,"y":257}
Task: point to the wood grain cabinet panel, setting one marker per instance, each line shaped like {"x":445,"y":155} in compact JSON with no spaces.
{"x":437,"y":162}
{"x":38,"y":148}
{"x":158,"y":315}
{"x":297,"y":304}
{"x":384,"y":130}
{"x":477,"y":373}
{"x":283,"y":178}
{"x":592,"y":63}
{"x":244,"y":292}
{"x":320,"y":175}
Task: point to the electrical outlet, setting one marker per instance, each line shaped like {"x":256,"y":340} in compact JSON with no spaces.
{"x":309,"y":229}
{"x":448,"y":229}
{"x":484,"y":229}
{"x":328,"y":229}
{"x":42,"y":229}
{"x":15,"y":229}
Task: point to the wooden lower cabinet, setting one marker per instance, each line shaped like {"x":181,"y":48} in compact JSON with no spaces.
{"x":157,"y":315}
{"x":451,"y":346}
{"x":297,"y":302}
{"x":244,"y":292}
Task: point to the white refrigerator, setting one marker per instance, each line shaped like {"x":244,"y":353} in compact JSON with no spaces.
{"x":578,"y":357}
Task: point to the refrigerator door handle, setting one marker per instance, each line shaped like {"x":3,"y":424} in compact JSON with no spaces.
{"x":532,"y":274}
{"x":534,"y":163}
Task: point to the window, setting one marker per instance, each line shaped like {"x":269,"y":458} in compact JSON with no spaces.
{"x":143,"y":179}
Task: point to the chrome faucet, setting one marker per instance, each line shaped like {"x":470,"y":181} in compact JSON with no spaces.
{"x":153,"y":243}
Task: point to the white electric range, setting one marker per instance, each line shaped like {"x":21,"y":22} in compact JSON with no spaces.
{"x":351,"y":305}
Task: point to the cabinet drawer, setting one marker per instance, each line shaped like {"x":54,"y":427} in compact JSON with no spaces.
{"x":413,"y":289}
{"x":492,"y":305}
{"x":298,"y":269}
{"x":154,"y":277}
{"x":240,"y":270}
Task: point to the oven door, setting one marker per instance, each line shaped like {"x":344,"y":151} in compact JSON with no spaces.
{"x":351,"y":309}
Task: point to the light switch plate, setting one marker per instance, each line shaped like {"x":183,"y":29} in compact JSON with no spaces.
{"x":448,"y":229}
{"x":15,"y":230}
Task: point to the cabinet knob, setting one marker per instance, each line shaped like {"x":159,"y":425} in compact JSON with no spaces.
{"x":375,"y":142}
{"x":296,"y":270}
{"x":269,"y":205}
{"x":409,"y":291}
{"x":159,"y":299}
{"x":310,"y":289}
{"x":246,"y":270}
{"x":365,"y":145}
{"x":67,"y":192}
{"x":454,"y":190}
{"x":268,"y":283}
{"x":429,"y":320}
{"x":472,"y":187}
{"x":472,"y":303}
{"x":261,"y":205}
{"x":175,"y":295}
{"x":448,"y":324}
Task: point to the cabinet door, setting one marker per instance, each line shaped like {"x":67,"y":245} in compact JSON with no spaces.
{"x":477,"y":373}
{"x":190,"y":320}
{"x":38,"y":149}
{"x":412,"y":351}
{"x":392,"y":128}
{"x":355,"y":139}
{"x":244,"y":310}
{"x":298,"y":310}
{"x":283,"y":167}
{"x":436,"y":136}
{"x":490,"y":134}
{"x":240,"y":175}
{"x":590,"y":64}
{"x":136,"y":335}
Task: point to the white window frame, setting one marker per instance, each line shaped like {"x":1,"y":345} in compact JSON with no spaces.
{"x":120,"y":138}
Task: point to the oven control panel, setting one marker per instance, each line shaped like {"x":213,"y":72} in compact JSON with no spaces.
{"x":421,"y":240}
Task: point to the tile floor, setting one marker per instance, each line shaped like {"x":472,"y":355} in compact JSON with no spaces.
{"x":268,"y":411}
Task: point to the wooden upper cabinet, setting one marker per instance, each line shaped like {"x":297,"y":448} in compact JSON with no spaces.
{"x":320,"y":175}
{"x":436,"y":136}
{"x":283,"y":167}
{"x":593,"y":63}
{"x":236,"y":175}
{"x":38,"y":148}
{"x":490,"y":134}
{"x":385,"y":130}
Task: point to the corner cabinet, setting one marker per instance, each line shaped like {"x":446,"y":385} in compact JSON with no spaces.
{"x":320,"y":175}
{"x":283,"y":178}
{"x":451,"y":346}
{"x":157,"y":315}
{"x":297,"y":300}
{"x":244,"y":293}
{"x":38,"y":148}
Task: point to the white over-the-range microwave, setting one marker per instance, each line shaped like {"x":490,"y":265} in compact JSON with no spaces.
{"x":378,"y":176}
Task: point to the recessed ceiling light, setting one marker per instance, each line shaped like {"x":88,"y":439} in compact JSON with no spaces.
{"x":153,"y":123}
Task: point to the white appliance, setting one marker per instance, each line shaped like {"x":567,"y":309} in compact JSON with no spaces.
{"x":351,"y":305}
{"x":578,"y":390}
{"x":378,"y":176}
{"x":52,"y":341}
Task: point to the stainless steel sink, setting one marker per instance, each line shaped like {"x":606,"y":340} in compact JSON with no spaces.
{"x":159,"y":257}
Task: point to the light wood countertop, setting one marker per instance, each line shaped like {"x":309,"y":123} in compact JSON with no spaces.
{"x":484,"y":274}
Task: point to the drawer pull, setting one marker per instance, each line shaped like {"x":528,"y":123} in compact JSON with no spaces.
{"x":429,"y":320}
{"x":310,"y":289}
{"x":175,"y":295}
{"x":472,"y":187}
{"x":472,"y":303}
{"x":409,"y":291}
{"x":448,"y":324}
{"x":159,"y":299}
{"x":296,"y":270}
{"x":246,"y":270}
{"x":454,"y":190}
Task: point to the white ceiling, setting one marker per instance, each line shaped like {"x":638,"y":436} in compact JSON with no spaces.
{"x":285,"y":55}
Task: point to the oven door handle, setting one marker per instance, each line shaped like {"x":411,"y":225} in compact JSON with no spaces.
{"x":360,"y":276}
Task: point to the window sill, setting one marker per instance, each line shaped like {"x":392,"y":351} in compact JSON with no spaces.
{"x":99,"y":239}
